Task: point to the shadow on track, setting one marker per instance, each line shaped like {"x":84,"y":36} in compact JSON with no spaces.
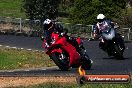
{"x":116,"y":58}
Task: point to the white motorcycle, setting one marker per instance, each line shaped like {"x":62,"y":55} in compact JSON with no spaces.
{"x":113,"y":42}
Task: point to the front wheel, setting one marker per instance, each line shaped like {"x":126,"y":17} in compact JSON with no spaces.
{"x":61,"y":60}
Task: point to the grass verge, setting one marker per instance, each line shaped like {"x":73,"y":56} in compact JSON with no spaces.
{"x":69,"y":85}
{"x":11,"y":8}
{"x":17,"y":59}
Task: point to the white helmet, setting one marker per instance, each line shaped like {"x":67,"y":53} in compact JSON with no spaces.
{"x":101,"y":16}
{"x":47,"y":21}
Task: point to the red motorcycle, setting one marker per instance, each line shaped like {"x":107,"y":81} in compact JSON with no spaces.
{"x":65,"y":55}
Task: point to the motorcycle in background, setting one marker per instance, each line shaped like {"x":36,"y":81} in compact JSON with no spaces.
{"x":113,"y":42}
{"x":65,"y":55}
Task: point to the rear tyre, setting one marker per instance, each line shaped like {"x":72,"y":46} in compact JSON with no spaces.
{"x":61,"y":60}
{"x":87,"y":62}
{"x":118,"y":52}
{"x":81,"y":80}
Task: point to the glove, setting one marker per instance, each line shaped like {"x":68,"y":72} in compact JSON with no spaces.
{"x":42,"y":38}
{"x":60,"y":35}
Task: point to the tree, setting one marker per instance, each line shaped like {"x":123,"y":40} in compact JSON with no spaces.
{"x":41,"y":9}
{"x":85,"y":11}
{"x":64,"y":6}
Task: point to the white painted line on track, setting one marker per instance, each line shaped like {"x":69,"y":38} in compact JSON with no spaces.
{"x":22,"y":48}
{"x":44,"y":69}
{"x":36,"y":50}
{"x":7,"y":46}
{"x":26,"y":70}
{"x":10,"y":71}
{"x":29,"y":49}
{"x":14,"y":47}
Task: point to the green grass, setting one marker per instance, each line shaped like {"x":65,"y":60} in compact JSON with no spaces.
{"x":11,"y":8}
{"x":17,"y":59}
{"x":97,"y":85}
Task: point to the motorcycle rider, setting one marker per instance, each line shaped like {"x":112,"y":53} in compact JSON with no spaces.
{"x":101,"y":21}
{"x":50,"y":26}
{"x":97,"y":30}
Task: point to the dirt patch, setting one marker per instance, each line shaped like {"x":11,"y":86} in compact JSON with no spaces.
{"x":27,"y":81}
{"x":6,"y":26}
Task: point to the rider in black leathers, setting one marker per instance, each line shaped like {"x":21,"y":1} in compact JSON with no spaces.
{"x":50,"y":26}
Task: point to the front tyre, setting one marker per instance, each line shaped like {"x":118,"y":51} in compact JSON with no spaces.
{"x":61,"y":60}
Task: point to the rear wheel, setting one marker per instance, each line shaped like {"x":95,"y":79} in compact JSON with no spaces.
{"x":87,"y":62}
{"x":61,"y":60}
{"x":118,"y":52}
{"x":81,"y":80}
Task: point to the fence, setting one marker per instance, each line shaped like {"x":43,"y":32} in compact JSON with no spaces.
{"x":81,"y":30}
{"x":31,"y":27}
{"x":127,"y":33}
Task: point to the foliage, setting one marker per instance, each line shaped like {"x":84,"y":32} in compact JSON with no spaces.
{"x":85,"y":11}
{"x":127,"y":18}
{"x":64,"y":7}
{"x":41,"y":9}
{"x":81,"y":11}
{"x":11,"y":8}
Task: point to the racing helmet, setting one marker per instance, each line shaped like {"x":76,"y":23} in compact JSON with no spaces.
{"x":47,"y":23}
{"x":100,"y":18}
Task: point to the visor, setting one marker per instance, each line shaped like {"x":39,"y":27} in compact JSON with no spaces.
{"x":100,"y":20}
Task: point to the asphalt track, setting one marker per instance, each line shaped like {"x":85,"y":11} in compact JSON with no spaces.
{"x":102,"y":63}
